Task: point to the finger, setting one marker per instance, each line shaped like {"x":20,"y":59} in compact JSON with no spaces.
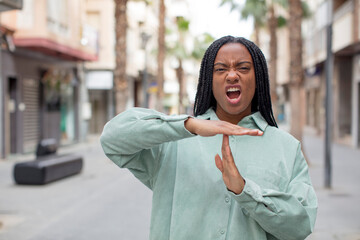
{"x":226,"y":150}
{"x":247,"y":131}
{"x":232,"y":129}
{"x":218,"y":163}
{"x":225,"y":145}
{"x":255,"y":132}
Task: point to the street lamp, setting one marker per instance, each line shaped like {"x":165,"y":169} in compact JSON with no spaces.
{"x":329,"y":66}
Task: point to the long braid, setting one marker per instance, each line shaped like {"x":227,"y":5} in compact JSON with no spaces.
{"x":262,"y":81}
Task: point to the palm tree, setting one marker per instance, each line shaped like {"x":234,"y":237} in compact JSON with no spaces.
{"x":201,"y":43}
{"x":272,"y":25}
{"x":183,"y":27}
{"x":251,"y":8}
{"x":161,"y":55}
{"x":178,"y":51}
{"x":120,"y":79}
{"x":296,"y":70}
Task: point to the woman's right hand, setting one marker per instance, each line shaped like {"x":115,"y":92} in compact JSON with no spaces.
{"x":207,"y":128}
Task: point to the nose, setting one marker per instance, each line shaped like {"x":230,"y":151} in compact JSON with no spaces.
{"x":232,"y":77}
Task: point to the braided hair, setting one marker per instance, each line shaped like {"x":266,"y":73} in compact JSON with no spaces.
{"x":205,"y":99}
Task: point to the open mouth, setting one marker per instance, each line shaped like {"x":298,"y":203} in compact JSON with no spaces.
{"x":233,"y":93}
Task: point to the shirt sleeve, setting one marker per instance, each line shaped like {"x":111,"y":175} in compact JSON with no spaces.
{"x":285,"y":215}
{"x":136,"y":138}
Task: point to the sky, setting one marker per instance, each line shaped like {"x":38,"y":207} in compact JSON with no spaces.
{"x":207,"y":16}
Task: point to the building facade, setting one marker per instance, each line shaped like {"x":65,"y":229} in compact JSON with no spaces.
{"x":346,"y":72}
{"x":345,"y":83}
{"x":141,"y":58}
{"x":42,"y":74}
{"x":100,"y":18}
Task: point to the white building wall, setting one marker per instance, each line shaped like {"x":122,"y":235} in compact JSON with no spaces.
{"x":343,"y":27}
{"x":100,"y":16}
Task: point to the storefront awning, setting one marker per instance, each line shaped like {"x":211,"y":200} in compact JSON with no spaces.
{"x":52,"y":48}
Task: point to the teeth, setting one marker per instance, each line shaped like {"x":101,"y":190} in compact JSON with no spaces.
{"x":233,"y":89}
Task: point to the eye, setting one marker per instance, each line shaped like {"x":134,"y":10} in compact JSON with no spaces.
{"x":220,"y":69}
{"x":243,"y":69}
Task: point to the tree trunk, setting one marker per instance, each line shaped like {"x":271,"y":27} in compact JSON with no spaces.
{"x":161,"y":56}
{"x":272,"y":23}
{"x":180,"y":77}
{"x":120,"y":79}
{"x":296,"y":69}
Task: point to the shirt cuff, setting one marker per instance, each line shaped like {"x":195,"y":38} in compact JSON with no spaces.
{"x":251,"y":196}
{"x":250,"y":192}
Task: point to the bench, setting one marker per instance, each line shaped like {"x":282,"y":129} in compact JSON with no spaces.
{"x":48,"y":166}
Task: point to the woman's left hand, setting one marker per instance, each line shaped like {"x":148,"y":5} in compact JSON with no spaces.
{"x":231,"y":175}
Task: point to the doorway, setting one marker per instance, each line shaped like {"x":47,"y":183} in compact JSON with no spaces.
{"x":13,"y":115}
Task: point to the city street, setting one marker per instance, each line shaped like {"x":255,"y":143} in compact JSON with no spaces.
{"x":105,"y":202}
{"x":68,"y":67}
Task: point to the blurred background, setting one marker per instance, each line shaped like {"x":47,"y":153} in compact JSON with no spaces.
{"x":67,"y":67}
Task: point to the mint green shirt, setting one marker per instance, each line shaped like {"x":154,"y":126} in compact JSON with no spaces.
{"x":190,"y":199}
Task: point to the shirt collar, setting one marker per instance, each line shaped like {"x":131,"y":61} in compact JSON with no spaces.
{"x":259,"y":120}
{"x":256,"y":118}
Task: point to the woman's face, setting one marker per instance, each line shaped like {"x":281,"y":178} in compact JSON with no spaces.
{"x":233,"y":82}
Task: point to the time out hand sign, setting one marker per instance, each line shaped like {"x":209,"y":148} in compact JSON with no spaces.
{"x":231,"y":175}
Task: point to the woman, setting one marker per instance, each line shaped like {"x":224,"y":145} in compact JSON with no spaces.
{"x":258,"y":188}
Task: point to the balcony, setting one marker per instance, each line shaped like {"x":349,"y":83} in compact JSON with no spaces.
{"x":52,"y":28}
{"x":7,"y":5}
{"x":343,"y":26}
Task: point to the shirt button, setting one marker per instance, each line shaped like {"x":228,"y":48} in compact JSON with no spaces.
{"x":227,"y":199}
{"x":222,"y":231}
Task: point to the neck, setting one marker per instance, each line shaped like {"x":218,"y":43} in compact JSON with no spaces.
{"x":232,"y":118}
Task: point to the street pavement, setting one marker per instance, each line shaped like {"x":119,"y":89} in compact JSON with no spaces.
{"x":339,"y":210}
{"x":106,"y":202}
{"x":102,"y":202}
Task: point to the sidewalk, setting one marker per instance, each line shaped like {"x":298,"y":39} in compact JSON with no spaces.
{"x":339,"y":211}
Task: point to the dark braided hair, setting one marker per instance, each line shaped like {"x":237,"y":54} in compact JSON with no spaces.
{"x":261,"y":101}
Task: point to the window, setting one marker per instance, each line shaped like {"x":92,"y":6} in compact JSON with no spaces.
{"x":57,"y":17}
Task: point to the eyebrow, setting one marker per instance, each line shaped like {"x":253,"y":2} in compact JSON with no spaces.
{"x":237,"y":64}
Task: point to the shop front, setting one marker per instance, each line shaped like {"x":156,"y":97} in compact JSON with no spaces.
{"x":40,"y":101}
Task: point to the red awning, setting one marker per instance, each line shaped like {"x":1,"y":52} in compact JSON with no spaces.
{"x":52,"y":48}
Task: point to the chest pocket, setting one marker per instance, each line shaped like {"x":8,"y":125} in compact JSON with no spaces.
{"x":266,"y":179}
